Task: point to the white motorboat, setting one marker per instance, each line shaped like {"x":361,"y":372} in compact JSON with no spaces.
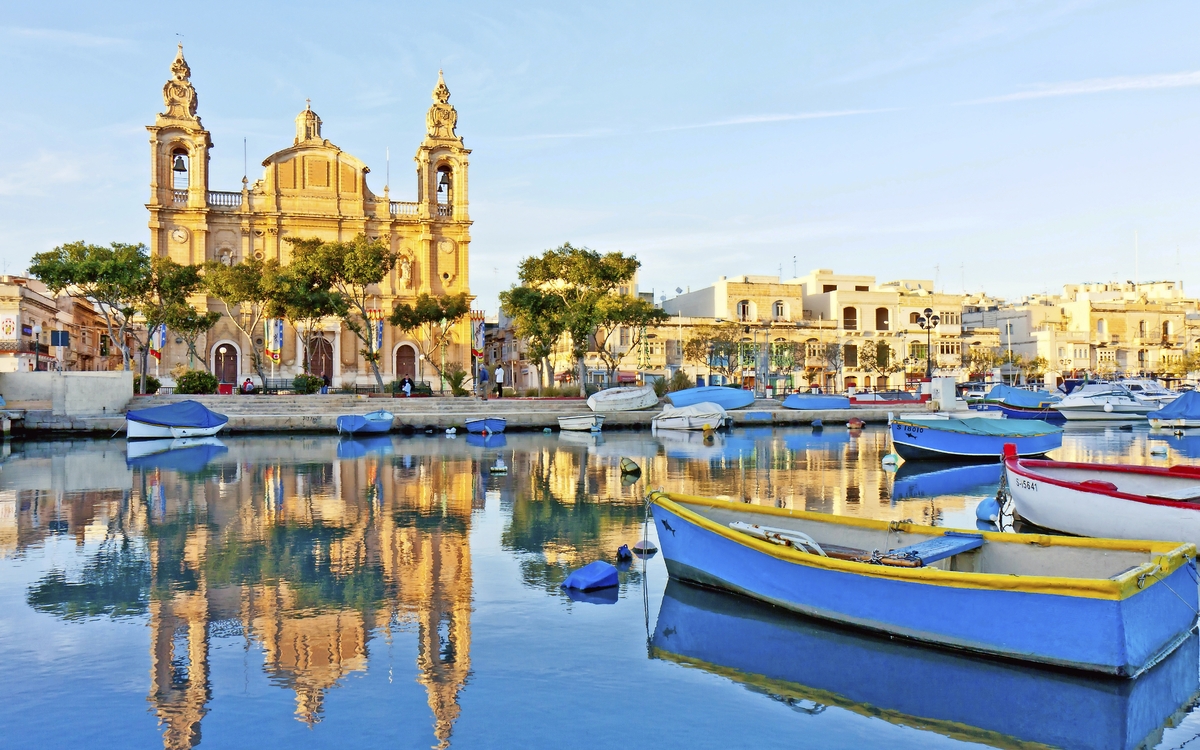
{"x":185,"y":419}
{"x":1150,"y":392}
{"x":1111,"y":501}
{"x":702,"y":416}
{"x":1103,"y":401}
{"x":625,"y":398}
{"x":582,"y":422}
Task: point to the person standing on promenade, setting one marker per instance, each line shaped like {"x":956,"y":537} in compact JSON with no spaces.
{"x":481,"y":382}
{"x":499,"y":377}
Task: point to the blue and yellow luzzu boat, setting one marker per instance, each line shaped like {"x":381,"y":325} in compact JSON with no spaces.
{"x":1101,"y":605}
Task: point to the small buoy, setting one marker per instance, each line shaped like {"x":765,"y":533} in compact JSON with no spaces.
{"x":1178,"y":432}
{"x":623,"y":553}
{"x":988,"y":510}
{"x":855,"y":423}
{"x":499,"y":467}
{"x":890,"y":462}
{"x":630,"y":468}
{"x":644,"y":548}
{"x":547,"y":430}
{"x":817,"y":425}
{"x":1108,"y":408}
{"x":1158,"y":450}
{"x":451,"y":430}
{"x":1126,"y":427}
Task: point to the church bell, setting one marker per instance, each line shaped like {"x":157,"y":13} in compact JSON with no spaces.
{"x":444,"y":182}
{"x":179,"y":165}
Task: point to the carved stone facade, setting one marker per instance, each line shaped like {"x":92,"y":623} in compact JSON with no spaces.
{"x":311,"y":189}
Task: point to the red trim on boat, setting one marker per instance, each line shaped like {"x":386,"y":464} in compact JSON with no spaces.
{"x":1025,"y":467}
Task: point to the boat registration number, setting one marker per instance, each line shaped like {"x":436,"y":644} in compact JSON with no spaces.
{"x":912,"y":429}
{"x":1025,"y":484}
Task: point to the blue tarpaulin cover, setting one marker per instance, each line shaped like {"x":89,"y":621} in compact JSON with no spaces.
{"x":189,"y":460}
{"x":1186,"y":406}
{"x":1006,"y":394}
{"x":597,"y":575}
{"x":183,"y":414}
{"x":816,"y":401}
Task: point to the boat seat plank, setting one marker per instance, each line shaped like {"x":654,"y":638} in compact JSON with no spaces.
{"x":930,"y":551}
{"x":1182,"y":494}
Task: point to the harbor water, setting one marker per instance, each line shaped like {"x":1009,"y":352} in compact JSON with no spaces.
{"x":263,"y":591}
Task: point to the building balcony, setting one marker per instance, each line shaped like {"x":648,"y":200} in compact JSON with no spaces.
{"x":179,"y":197}
{"x":445,"y":209}
{"x":224,"y":199}
{"x":404,"y":208}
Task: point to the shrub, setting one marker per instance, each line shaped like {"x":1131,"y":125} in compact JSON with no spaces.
{"x":660,"y":387}
{"x":152,"y":384}
{"x":455,"y":375}
{"x":196,"y":381}
{"x":304,"y":383}
{"x":680,"y":382}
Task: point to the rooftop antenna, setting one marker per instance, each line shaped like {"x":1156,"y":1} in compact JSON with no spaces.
{"x":794,"y":267}
{"x":1135,"y":260}
{"x":387,"y":180}
{"x":245,"y":163}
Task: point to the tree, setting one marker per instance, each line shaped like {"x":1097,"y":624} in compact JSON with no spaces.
{"x":434,"y":317}
{"x":716,"y":346}
{"x":250,"y":287}
{"x":580,"y":278}
{"x":112,"y":278}
{"x":835,"y":360}
{"x":165,"y":298}
{"x":299,"y":297}
{"x":981,"y":360}
{"x":617,"y":311}
{"x":877,"y":356}
{"x":191,"y":324}
{"x":351,"y":271}
{"x":538,"y":320}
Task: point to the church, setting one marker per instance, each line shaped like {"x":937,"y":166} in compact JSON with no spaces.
{"x":311,"y":188}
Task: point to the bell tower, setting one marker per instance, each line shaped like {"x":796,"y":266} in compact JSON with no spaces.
{"x":179,"y":147}
{"x":442,"y":160}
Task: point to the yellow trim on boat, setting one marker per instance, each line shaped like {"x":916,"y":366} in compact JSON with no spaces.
{"x":1167,"y":557}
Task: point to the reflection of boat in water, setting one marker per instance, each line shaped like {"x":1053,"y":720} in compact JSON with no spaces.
{"x":694,"y":445}
{"x":185,"y":455}
{"x":810,"y":666}
{"x":488,"y":440}
{"x":589,"y":439}
{"x":359,"y":447}
{"x":932,"y":479}
{"x":1187,"y":445}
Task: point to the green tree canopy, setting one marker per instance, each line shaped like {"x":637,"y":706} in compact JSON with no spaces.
{"x":114,"y":279}
{"x":434,"y":319}
{"x":617,"y":311}
{"x":537,"y":318}
{"x":247,"y":290}
{"x":302,"y":299}
{"x":351,"y":271}
{"x":715,"y":346}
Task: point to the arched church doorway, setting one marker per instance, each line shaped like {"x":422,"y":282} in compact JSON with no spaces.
{"x":320,"y":359}
{"x":406,"y":362}
{"x":225,"y":363}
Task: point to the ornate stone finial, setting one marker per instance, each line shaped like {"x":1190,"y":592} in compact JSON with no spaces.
{"x":441,"y":119}
{"x":308,"y":125}
{"x":178,"y":94}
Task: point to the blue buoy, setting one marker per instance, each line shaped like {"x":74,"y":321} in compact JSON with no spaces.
{"x":597,"y":575}
{"x":988,"y":510}
{"x":623,"y":553}
{"x":817,"y":425}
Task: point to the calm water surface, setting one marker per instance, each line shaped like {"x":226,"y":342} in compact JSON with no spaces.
{"x":277,"y":592}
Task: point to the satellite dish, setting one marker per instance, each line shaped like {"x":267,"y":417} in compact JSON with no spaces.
{"x":662,"y":298}
{"x":678,"y":290}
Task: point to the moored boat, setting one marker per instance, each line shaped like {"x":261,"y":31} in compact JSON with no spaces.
{"x":184,"y":419}
{"x":363,"y":424}
{"x":882,"y":399}
{"x":624,"y":398}
{"x":1018,"y":403}
{"x":486,"y":425}
{"x":582,"y":422}
{"x":970,"y":438}
{"x":185,"y":455}
{"x":1103,"y":401}
{"x":810,"y":665}
{"x":816,"y":401}
{"x":1107,"y":500}
{"x":726,"y":398}
{"x":694,"y":417}
{"x":1150,"y":391}
{"x":1099,"y":605}
{"x":1182,"y":412}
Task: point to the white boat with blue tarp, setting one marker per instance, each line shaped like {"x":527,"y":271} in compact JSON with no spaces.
{"x":806,"y":401}
{"x":1182,"y":412}
{"x":722,"y":396}
{"x":184,"y":419}
{"x":970,"y":438}
{"x":811,"y":666}
{"x":365,"y":424}
{"x":1099,"y":605}
{"x":1019,"y":403}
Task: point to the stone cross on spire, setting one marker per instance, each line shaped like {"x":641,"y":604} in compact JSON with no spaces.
{"x":178,"y":94}
{"x":441,"y":119}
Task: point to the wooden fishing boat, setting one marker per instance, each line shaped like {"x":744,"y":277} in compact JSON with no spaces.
{"x":1100,"y":605}
{"x":971,"y":438}
{"x":726,"y":398}
{"x":185,"y":419}
{"x":809,"y":665}
{"x":1114,"y":500}
{"x":582,"y":422}
{"x":365,"y":424}
{"x":486,"y":425}
{"x":1018,"y":403}
{"x":626,"y":398}
{"x":695,"y":417}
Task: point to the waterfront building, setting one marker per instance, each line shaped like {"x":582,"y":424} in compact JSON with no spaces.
{"x":30,"y":312}
{"x":311,"y":189}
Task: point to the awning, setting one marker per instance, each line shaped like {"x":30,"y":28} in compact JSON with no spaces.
{"x":626,"y":377}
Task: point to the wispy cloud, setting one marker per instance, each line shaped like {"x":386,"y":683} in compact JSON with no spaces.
{"x":1098,"y":86}
{"x":760,"y":119}
{"x":60,"y":36}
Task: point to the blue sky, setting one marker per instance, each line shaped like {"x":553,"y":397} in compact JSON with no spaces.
{"x":1009,"y":147}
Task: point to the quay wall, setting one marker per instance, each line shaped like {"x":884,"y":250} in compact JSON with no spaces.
{"x":68,"y":394}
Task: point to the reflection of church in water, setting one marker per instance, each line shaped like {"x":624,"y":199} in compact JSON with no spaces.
{"x":308,"y":561}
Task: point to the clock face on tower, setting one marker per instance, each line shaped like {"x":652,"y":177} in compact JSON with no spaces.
{"x":446,"y":245}
{"x":179,"y":234}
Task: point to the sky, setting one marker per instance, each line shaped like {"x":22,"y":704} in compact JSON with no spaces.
{"x":1004,"y":147}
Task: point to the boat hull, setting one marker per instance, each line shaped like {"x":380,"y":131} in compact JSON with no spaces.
{"x":726,"y":398}
{"x":815,"y":401}
{"x":1121,"y":412}
{"x":582,"y":423}
{"x":1048,"y":504}
{"x":365,"y":424}
{"x":1121,"y":637}
{"x":144,"y":431}
{"x":486,"y":425}
{"x":923,"y":441}
{"x":625,"y":398}
{"x":1046,"y":414}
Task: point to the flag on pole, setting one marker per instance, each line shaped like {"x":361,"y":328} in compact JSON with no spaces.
{"x":477,"y":339}
{"x":379,"y":335}
{"x":158,"y":341}
{"x":273,"y":335}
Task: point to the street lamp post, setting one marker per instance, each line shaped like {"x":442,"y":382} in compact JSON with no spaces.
{"x":928,"y":321}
